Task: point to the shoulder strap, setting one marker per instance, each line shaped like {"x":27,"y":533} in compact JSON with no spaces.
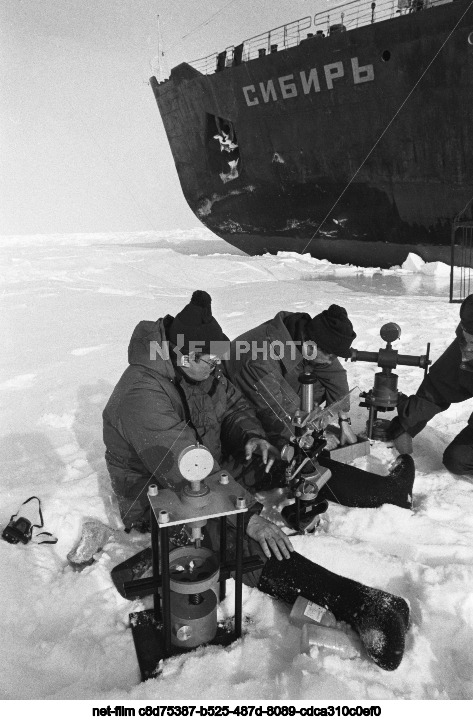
{"x":48,"y":537}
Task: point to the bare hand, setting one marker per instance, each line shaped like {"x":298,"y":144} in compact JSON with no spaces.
{"x":270,"y":537}
{"x":306,"y":441}
{"x":332,"y":441}
{"x":268,"y":452}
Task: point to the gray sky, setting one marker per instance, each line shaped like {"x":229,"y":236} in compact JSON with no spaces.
{"x":83,"y":148}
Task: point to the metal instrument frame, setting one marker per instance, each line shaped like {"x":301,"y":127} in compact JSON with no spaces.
{"x":152,"y":629}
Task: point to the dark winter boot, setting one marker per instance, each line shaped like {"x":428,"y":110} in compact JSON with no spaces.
{"x":380,"y":618}
{"x":354,"y":487}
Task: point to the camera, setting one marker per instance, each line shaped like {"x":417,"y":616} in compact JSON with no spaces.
{"x":18,"y":530}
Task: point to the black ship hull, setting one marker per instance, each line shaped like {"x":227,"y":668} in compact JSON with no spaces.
{"x":357,"y":147}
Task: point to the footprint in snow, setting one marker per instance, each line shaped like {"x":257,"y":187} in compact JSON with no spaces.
{"x":91,"y":349}
{"x":18,"y":383}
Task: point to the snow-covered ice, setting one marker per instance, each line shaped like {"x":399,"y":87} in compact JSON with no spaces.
{"x":70,"y":304}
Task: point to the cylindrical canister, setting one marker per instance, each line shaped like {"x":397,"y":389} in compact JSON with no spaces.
{"x":385,"y":391}
{"x":307,"y":381}
{"x":330,"y":639}
{"x":193,"y":623}
{"x":304,"y":611}
{"x":307,"y":402}
{"x":193,"y":570}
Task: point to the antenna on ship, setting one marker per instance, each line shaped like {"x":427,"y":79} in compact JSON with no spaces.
{"x":159,"y":64}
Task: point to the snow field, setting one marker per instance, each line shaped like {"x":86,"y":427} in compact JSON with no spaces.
{"x":70,"y":305}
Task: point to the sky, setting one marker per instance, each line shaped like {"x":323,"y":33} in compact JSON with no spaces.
{"x":82,"y":147}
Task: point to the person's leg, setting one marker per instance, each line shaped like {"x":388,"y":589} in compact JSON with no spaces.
{"x":458,"y":456}
{"x":380,"y":618}
{"x":350,"y":486}
{"x":130,"y":488}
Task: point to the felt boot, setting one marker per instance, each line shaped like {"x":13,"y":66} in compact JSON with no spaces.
{"x":350,"y":486}
{"x":381,"y":619}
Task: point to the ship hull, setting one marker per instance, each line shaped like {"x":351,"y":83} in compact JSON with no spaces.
{"x":340,"y":250}
{"x":357,"y":147}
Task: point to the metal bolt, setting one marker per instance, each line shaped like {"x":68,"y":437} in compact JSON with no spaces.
{"x":163,"y":517}
{"x":224,"y":479}
{"x":241,"y":502}
{"x":184,"y":633}
{"x":153,"y":489}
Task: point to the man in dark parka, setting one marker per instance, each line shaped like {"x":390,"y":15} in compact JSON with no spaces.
{"x":450,"y":380}
{"x":265,"y":363}
{"x":169,"y":398}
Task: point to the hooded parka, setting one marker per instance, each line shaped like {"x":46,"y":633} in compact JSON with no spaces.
{"x":154,"y":413}
{"x":268,"y":377}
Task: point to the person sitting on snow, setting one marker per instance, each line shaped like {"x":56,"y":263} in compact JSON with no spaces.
{"x":281,"y":349}
{"x":171,"y":397}
{"x":265,"y":363}
{"x":450,"y":380}
{"x":166,"y":401}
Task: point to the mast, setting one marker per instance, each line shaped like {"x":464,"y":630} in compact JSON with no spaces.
{"x":159,"y":64}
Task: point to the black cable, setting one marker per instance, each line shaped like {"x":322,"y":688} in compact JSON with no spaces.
{"x":206,"y":22}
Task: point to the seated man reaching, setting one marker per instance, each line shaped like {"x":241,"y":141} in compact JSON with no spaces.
{"x":265,"y":364}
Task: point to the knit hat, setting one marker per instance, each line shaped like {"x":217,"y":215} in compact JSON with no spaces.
{"x":466,"y":314}
{"x":332,"y":330}
{"x":195,"y":328}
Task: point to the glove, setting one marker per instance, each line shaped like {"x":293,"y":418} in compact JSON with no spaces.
{"x":402,"y":439}
{"x":402,"y":400}
{"x":395,"y":429}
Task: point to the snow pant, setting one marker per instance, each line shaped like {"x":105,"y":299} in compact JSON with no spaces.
{"x":381,"y":619}
{"x":348,"y":486}
{"x":458,"y":456}
{"x":130,"y":489}
{"x":354,"y":487}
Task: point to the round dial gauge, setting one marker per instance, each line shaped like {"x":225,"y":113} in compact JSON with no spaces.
{"x":195,"y":463}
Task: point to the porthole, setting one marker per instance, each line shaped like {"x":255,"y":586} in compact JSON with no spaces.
{"x":470,"y":39}
{"x":386,"y":55}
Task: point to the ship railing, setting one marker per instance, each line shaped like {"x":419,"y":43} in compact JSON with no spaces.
{"x":356,"y":13}
{"x":281,"y":38}
{"x":346,"y":16}
{"x":208,"y":65}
